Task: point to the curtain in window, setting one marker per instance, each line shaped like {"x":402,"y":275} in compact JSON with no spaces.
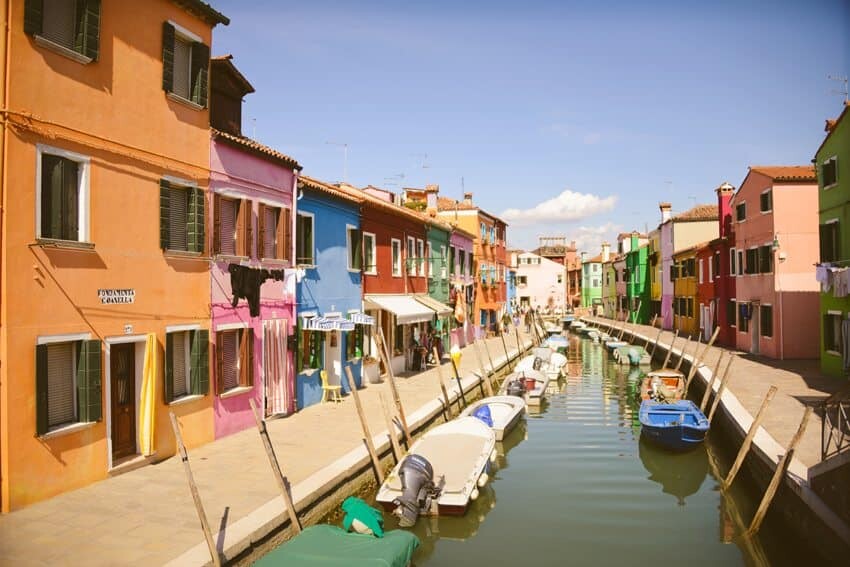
{"x":279,"y":389}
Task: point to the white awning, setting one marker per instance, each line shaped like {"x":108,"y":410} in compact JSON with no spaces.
{"x":441,"y":309}
{"x":327,"y":324}
{"x":361,"y":319}
{"x":404,"y":307}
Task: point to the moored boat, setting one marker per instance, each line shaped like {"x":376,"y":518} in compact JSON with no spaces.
{"x":632,"y":355}
{"x":528,"y":384}
{"x":441,"y":473}
{"x":663,"y":385}
{"x":501,"y":413}
{"x":678,"y":426}
{"x":558,"y":343}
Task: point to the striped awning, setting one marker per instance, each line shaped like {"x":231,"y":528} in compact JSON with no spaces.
{"x":361,"y":319}
{"x":327,"y":324}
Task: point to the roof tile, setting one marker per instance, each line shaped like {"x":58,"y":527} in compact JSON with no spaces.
{"x":787,"y":172}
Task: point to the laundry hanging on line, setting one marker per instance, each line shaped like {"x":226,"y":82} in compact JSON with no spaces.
{"x":245,"y":283}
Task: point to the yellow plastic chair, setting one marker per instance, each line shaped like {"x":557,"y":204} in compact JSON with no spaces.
{"x":330,"y":392}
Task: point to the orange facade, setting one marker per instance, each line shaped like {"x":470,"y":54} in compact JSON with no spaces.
{"x":99,"y":137}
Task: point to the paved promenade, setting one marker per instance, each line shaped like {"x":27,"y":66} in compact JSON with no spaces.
{"x":799,"y":384}
{"x":147,"y":516}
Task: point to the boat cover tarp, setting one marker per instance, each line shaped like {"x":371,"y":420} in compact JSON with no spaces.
{"x":329,"y":545}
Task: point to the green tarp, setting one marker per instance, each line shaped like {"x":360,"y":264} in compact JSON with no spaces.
{"x":329,"y":545}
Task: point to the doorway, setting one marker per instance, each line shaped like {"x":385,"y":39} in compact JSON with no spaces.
{"x":123,"y":402}
{"x":333,"y":357}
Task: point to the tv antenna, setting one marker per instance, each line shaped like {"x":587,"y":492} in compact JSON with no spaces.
{"x":394,"y":180}
{"x":844,"y":91}
{"x":344,"y":158}
{"x":424,"y":160}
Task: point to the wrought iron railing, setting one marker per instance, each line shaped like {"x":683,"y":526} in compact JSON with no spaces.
{"x":835,"y":427}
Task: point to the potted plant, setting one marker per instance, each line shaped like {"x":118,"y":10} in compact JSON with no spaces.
{"x":371,"y":370}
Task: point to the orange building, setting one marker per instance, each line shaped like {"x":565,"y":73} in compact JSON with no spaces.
{"x":490,"y":258}
{"x":105,"y":268}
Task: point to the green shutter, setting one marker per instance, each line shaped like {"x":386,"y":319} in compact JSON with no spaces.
{"x":87,"y":35}
{"x":167,"y":57}
{"x":195,"y":222}
{"x":41,"y":389}
{"x":168,"y":375}
{"x":33,"y":14}
{"x":299,"y":346}
{"x":357,"y":244}
{"x":89,"y":381}
{"x":164,"y":209}
{"x":200,"y":73}
{"x":200,"y":362}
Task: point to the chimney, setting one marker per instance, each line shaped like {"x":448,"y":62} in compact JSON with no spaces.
{"x":633,"y":241}
{"x":573,"y":244}
{"x":666,"y":213}
{"x":606,"y":252}
{"x":583,"y":257}
{"x":467,"y":198}
{"x":724,"y":208}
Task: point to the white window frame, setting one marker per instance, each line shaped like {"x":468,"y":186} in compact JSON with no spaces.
{"x":83,"y":191}
{"x":397,"y":267}
{"x":349,"y":247}
{"x":373,"y":270}
{"x":187,"y":365}
{"x":420,"y":258}
{"x":711,"y":269}
{"x":429,"y":254}
{"x":701,"y":270}
{"x":443,"y":259}
{"x":834,"y":158}
{"x":770,"y":210}
{"x":410,"y":256}
{"x":740,"y":265}
{"x":181,"y":33}
{"x":313,"y":255}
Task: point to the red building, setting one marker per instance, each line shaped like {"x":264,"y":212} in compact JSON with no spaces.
{"x":716,"y":282}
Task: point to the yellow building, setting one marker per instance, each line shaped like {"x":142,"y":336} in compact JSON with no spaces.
{"x":685,"y":311}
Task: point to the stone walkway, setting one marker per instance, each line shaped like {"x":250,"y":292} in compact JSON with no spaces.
{"x":147,"y":516}
{"x":799,"y":384}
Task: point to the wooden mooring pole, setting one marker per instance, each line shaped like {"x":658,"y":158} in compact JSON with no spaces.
{"x":505,"y":346}
{"x":781,"y":469}
{"x":682,"y":353}
{"x":697,"y":362}
{"x":199,"y":506}
{"x":485,"y":376}
{"x":388,"y":418}
{"x":278,"y":474}
{"x":710,"y":384}
{"x":651,"y":324}
{"x":490,"y":358}
{"x":723,"y":382}
{"x":745,"y":447}
{"x":367,"y":434}
{"x":655,"y":344}
{"x":459,"y":385}
{"x":384,"y":351}
{"x":670,"y":350}
{"x":446,"y":400}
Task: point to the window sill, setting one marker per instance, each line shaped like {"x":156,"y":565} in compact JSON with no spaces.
{"x":828,"y":187}
{"x":374,"y":273}
{"x":185,"y":400}
{"x":275,"y":262}
{"x":354,"y":271}
{"x":184,"y":101}
{"x":306,"y":266}
{"x":68,"y":244}
{"x":185,"y":255}
{"x":833,"y":353}
{"x":241,"y":390}
{"x":62,"y":50}
{"x":231,"y":258}
{"x":67,"y":429}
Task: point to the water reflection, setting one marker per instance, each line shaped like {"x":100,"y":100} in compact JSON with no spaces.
{"x":679,"y":474}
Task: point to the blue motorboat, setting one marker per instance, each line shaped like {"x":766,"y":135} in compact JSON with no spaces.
{"x":678,"y":426}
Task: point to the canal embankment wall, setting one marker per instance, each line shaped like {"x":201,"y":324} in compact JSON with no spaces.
{"x":801,"y":508}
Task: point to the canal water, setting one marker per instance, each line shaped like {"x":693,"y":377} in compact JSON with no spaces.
{"x":574,"y":484}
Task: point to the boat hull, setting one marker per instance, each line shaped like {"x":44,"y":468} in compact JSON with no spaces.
{"x":677,"y":426}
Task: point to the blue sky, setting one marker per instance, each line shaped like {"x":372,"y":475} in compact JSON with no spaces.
{"x":623,"y":104}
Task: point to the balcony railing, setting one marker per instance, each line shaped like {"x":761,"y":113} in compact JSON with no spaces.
{"x":835,"y":427}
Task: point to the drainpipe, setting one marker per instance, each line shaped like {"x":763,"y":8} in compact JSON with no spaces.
{"x":4,"y":162}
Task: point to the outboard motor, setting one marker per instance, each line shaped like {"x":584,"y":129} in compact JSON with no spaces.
{"x":418,"y":489}
{"x":516,"y":387}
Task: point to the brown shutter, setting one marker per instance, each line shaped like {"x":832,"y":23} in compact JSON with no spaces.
{"x":286,"y":235}
{"x":246,"y":359}
{"x":249,"y":228}
{"x":261,"y":232}
{"x":219,"y":346}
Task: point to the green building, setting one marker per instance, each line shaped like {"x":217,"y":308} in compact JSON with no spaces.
{"x":591,"y":280}
{"x":638,"y":278}
{"x":834,"y":209}
{"x":609,"y":288}
{"x":438,"y":276}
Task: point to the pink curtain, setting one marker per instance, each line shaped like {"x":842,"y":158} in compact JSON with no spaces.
{"x":279,"y":387}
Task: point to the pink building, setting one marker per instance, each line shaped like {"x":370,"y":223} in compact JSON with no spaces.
{"x":253,"y":285}
{"x":462,"y":281}
{"x":775,"y":217}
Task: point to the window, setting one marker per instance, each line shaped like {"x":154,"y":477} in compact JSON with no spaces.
{"x":72,"y":27}
{"x":766,"y":201}
{"x":420,"y":257}
{"x":832,"y":332}
{"x":452,"y":255}
{"x":355,"y":248}
{"x":411,"y":256}
{"x":765,"y":254}
{"x":829,"y":172}
{"x":766,"y":320}
{"x":443,"y":267}
{"x":484,"y":271}
{"x":395,"y":244}
{"x":730,"y":312}
{"x":369,"y":254}
{"x":752,"y":261}
{"x":304,"y":243}
{"x":560,"y":278}
{"x":594,"y":268}
{"x":700,"y":270}
{"x":187,"y":371}
{"x":63,"y":195}
{"x":68,"y":384}
{"x":690,"y":307}
{"x":354,"y":343}
{"x":740,"y":262}
{"x":483,"y":233}
{"x":714,"y":272}
{"x":432,"y":265}
{"x":830,"y":247}
{"x":185,"y":65}
{"x":744,"y":317}
{"x":595,"y":282}
{"x":234,"y":357}
{"x":732,"y":255}
{"x":522,"y":280}
{"x":232,"y":226}
{"x":275,"y":228}
{"x":741,"y":212}
{"x":181,"y":217}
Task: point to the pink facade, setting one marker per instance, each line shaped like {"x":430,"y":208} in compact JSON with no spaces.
{"x":257,"y":182}
{"x":775,"y":216}
{"x":462,"y":287}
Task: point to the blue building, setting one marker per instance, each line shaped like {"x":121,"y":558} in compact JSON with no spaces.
{"x":330,"y":252}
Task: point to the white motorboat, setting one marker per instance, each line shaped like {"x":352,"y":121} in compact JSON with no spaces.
{"x":528,"y":384}
{"x":577,"y":325}
{"x":503,"y":413}
{"x":441,"y":472}
{"x":553,"y":364}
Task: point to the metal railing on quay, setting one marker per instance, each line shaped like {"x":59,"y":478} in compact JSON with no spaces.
{"x":835,"y":427}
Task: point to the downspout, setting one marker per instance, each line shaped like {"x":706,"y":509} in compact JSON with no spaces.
{"x":4,"y":492}
{"x":293,"y":222}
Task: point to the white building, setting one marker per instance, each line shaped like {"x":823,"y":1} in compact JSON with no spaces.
{"x":540,"y":282}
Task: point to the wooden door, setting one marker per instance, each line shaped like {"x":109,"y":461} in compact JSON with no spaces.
{"x":123,"y":389}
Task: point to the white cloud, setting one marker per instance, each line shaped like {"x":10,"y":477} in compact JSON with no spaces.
{"x":568,"y":206}
{"x":587,"y":238}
